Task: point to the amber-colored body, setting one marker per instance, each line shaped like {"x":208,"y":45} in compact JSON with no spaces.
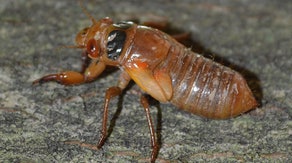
{"x":162,"y":68}
{"x":171,"y":72}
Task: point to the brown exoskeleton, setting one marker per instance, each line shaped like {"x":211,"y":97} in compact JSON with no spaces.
{"x":162,"y":68}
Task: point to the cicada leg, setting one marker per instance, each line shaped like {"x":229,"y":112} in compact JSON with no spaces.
{"x":73,"y":77}
{"x":110,"y":93}
{"x":154,"y":143}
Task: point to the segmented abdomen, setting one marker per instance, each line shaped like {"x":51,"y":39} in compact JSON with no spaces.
{"x":204,"y":87}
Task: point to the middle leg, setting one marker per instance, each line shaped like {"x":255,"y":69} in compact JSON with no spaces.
{"x":153,"y":140}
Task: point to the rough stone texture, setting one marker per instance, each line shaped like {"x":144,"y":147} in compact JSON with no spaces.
{"x":37,"y":121}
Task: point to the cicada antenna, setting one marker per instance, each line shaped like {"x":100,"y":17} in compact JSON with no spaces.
{"x":86,"y":12}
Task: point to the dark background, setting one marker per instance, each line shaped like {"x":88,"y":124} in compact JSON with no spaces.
{"x":36,"y":121}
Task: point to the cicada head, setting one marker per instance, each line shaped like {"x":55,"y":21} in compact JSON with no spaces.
{"x":89,"y":37}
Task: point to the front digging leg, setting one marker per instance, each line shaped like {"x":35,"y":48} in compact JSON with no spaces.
{"x":73,"y":77}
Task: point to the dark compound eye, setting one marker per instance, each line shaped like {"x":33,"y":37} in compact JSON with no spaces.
{"x":116,"y":40}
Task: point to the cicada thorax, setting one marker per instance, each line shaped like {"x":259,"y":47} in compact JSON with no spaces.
{"x":206,"y":88}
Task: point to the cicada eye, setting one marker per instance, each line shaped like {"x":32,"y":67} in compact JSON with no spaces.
{"x":92,"y":49}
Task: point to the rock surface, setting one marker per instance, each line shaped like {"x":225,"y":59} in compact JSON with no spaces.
{"x":36,"y":122}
